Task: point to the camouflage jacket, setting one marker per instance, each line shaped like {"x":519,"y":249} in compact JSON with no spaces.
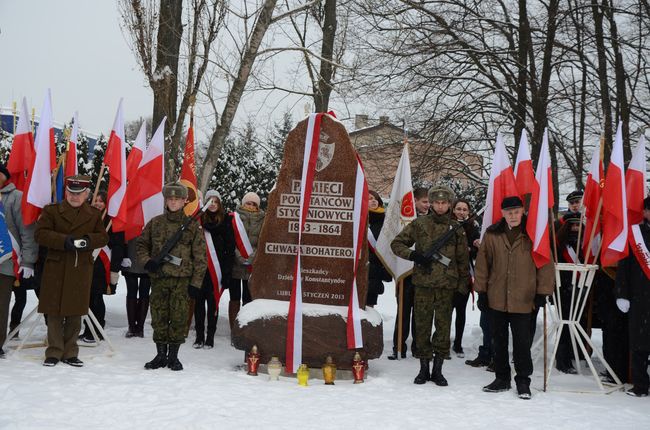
{"x":191,"y":248}
{"x":423,"y":233}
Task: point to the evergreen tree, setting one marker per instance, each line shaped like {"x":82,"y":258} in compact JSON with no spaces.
{"x":277,"y":139}
{"x":97,"y":160}
{"x":241,"y":170}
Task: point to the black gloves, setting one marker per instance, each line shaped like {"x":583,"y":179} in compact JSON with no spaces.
{"x":540,"y":300}
{"x":151,"y":266}
{"x":482,"y":302}
{"x":68,"y":245}
{"x":193,"y":292}
{"x":419,"y":258}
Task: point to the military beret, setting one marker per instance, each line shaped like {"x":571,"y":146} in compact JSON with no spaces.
{"x":4,"y":171}
{"x":174,"y":189}
{"x":77,"y":183}
{"x":574,"y":195}
{"x":512,"y":202}
{"x":440,"y":193}
{"x":573,"y":217}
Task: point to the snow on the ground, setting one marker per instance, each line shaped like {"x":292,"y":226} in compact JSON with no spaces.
{"x":214,"y":391}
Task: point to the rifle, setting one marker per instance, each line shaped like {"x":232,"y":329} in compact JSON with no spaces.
{"x":434,"y":252}
{"x":164,"y":256}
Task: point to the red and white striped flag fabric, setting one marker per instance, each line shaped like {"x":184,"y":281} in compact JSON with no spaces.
{"x":400,"y":211}
{"x":39,"y":182}
{"x":214,"y":267}
{"x":359,"y":222}
{"x":593,"y":193}
{"x":135,"y":156}
{"x":241,"y":237}
{"x":615,"y":225}
{"x":294,"y":323}
{"x":502,"y":184}
{"x":71,"y":166}
{"x":540,"y":202}
{"x":524,"y":173}
{"x":149,"y":182}
{"x":133,"y":191}
{"x":635,"y":188}
{"x":115,"y":160}
{"x":372,"y":242}
{"x":21,"y":157}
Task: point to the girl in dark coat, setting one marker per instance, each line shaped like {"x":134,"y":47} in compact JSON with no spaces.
{"x":376,"y":271}
{"x":219,"y":224}
{"x":461,"y":211}
{"x":102,"y":282}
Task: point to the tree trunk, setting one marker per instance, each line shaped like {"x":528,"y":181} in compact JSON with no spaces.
{"x":322,"y":95}
{"x":522,"y":60}
{"x":602,"y":77}
{"x":234,"y":96}
{"x":165,"y":78}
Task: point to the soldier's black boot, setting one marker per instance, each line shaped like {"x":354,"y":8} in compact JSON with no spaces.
{"x":436,"y":372}
{"x":172,"y":359}
{"x":424,"y":374}
{"x":160,"y":360}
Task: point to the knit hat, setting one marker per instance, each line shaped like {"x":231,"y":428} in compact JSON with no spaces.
{"x":212,"y":193}
{"x":250,"y":197}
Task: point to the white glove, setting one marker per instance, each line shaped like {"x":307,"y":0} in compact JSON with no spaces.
{"x":126,"y":262}
{"x":114,"y":278}
{"x":623,"y":305}
{"x":26,"y":271}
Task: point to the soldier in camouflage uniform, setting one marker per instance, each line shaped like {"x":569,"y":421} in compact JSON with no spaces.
{"x":170,"y":282}
{"x":435,"y":281}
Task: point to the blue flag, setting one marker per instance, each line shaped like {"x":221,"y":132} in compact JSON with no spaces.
{"x":59,"y":184}
{"x":5,"y":239}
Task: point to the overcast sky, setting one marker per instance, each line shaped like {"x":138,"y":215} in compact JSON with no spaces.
{"x":76,"y":48}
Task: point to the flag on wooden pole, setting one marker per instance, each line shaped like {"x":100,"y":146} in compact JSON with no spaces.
{"x":115,"y":160}
{"x":524,"y":173}
{"x":635,"y":188}
{"x":541,"y":201}
{"x":71,"y":164}
{"x":591,"y":200}
{"x":21,"y":157}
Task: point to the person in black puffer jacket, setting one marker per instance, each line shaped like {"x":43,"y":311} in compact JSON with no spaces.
{"x":219,"y":224}
{"x":377,"y":274}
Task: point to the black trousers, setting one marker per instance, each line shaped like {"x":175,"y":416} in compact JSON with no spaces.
{"x":615,"y":330}
{"x":238,"y":289}
{"x":640,"y":377}
{"x":137,"y":286}
{"x":460,"y":307}
{"x":205,"y":298}
{"x":408,"y":317}
{"x":520,"y":327}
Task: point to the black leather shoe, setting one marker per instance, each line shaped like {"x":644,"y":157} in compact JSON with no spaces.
{"x":73,"y":361}
{"x":497,"y":386}
{"x":436,"y":372}
{"x":50,"y":362}
{"x":160,"y":360}
{"x":424,"y":374}
{"x":477,"y":362}
{"x":637,"y":392}
{"x":523,"y":390}
{"x":172,"y":359}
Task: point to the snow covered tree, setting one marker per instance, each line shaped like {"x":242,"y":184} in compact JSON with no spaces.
{"x":275,"y":142}
{"x":98,"y":158}
{"x":241,"y":170}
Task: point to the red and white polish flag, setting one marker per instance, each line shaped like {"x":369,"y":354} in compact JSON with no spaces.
{"x":502,"y":184}
{"x":133,"y":187}
{"x":360,"y":218}
{"x":294,"y":323}
{"x":71,"y":166}
{"x":524,"y":173}
{"x":541,"y":201}
{"x":21,"y":157}
{"x":615,"y":223}
{"x":635,"y":188}
{"x":151,"y":176}
{"x":115,"y":160}
{"x":39,"y":182}
{"x":593,"y":193}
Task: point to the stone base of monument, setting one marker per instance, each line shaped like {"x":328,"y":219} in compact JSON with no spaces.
{"x":263,"y":322}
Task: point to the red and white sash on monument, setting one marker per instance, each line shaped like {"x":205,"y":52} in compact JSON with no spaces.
{"x":355,"y":338}
{"x":372,"y":241}
{"x":640,"y":249}
{"x":241,"y":237}
{"x":569,"y":254}
{"x":214,"y":267}
{"x":294,"y":323}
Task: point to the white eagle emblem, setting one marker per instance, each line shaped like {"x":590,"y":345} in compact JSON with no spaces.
{"x":325,"y":152}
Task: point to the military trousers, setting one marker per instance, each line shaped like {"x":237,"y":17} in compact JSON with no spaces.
{"x":169,"y":302}
{"x":62,"y":334}
{"x":433,"y":305}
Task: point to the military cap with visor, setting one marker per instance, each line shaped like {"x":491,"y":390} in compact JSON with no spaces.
{"x":174,"y":189}
{"x":574,"y":196}
{"x":77,"y":183}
